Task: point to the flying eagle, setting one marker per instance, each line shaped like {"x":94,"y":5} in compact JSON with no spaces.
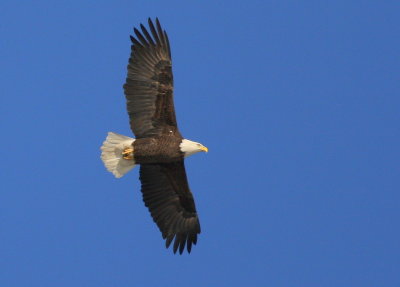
{"x":159,"y":147}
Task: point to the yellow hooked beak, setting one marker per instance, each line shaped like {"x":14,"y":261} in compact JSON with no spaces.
{"x":203,"y":148}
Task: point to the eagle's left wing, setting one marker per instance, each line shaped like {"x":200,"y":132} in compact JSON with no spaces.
{"x":166,"y":193}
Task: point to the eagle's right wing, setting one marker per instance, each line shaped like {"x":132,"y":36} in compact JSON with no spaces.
{"x":166,"y":193}
{"x":149,"y":83}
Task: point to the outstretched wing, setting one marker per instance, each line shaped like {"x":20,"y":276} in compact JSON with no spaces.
{"x":167,"y":195}
{"x":149,"y":84}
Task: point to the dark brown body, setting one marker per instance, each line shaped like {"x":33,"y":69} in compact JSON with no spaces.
{"x":162,"y":149}
{"x":149,"y":98}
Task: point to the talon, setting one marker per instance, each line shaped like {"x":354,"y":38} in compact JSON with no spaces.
{"x":128,"y":153}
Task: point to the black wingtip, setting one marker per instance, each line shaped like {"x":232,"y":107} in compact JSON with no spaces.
{"x":180,"y":242}
{"x":151,"y":21}
{"x":176,"y":243}
{"x":169,"y":240}
{"x":158,"y":24}
{"x":189,"y":247}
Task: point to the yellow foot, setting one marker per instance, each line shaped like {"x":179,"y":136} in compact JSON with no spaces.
{"x":128,"y":153}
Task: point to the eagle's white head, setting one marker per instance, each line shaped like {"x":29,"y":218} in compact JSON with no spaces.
{"x":189,"y":147}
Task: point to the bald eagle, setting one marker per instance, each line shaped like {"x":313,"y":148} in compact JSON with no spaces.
{"x":159,"y":147}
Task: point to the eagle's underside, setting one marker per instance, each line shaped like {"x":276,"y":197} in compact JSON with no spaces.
{"x":159,"y":148}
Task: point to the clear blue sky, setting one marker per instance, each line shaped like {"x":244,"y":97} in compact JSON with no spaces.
{"x":298,"y":102}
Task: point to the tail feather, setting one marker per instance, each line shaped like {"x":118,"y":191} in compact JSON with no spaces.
{"x":111,"y":154}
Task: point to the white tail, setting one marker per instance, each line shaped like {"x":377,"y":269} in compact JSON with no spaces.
{"x":111,"y":154}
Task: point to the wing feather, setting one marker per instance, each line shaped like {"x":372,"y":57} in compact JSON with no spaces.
{"x":149,"y":84}
{"x":147,"y":35}
{"x":167,"y":195}
{"x":154,"y":33}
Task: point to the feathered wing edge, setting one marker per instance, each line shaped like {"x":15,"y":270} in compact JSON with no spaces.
{"x":149,"y":83}
{"x":166,"y":193}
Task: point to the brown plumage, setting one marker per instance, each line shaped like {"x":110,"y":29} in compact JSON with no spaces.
{"x":159,"y":147}
{"x":149,"y":84}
